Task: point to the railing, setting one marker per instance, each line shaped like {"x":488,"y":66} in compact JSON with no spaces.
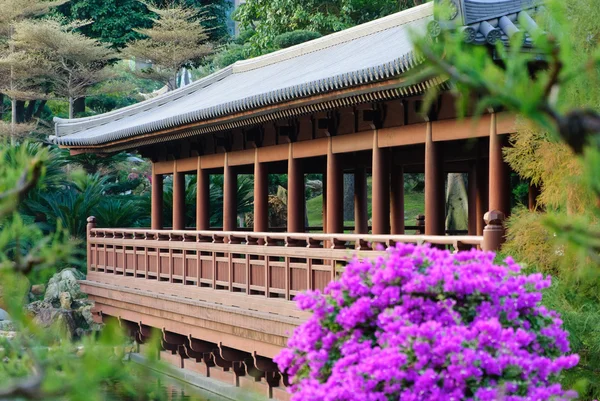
{"x":267,"y":264}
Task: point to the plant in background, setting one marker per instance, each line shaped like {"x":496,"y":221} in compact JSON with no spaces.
{"x":44,"y":363}
{"x":177,"y":39}
{"x":421,"y":324}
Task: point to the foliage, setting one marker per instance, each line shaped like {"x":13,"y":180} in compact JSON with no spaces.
{"x":421,"y":323}
{"x":292,"y":38}
{"x":267,"y":19}
{"x":115,"y":21}
{"x":74,"y":62}
{"x":177,"y":39}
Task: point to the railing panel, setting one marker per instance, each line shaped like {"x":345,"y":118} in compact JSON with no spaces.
{"x":261,"y":264}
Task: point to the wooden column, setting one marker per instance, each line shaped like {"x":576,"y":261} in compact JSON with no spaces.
{"x":499,"y":181}
{"x":434,"y":186}
{"x":534,"y":193}
{"x":229,"y":197}
{"x":261,"y":196}
{"x":361,"y":213}
{"x":380,"y":188}
{"x":296,"y":203}
{"x":397,"y":200}
{"x":202,"y":199}
{"x":157,"y":201}
{"x":324,"y":206}
{"x":335,"y":192}
{"x":481,"y":200}
{"x":472,"y":198}
{"x":178,"y":200}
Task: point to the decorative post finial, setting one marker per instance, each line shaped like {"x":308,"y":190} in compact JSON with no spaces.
{"x":493,"y":233}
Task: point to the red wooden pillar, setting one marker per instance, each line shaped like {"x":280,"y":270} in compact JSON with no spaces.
{"x":534,"y":193}
{"x":157,"y":200}
{"x":481,"y":200}
{"x":499,"y":181}
{"x":472,"y":201}
{"x":335,"y":192}
{"x":202,"y":199}
{"x":397,"y":200}
{"x":380,"y":188}
{"x":324,"y":206}
{"x":229,"y":197}
{"x":261,"y":196}
{"x":360,"y":201}
{"x":435,"y":181}
{"x":296,"y":203}
{"x":178,"y":200}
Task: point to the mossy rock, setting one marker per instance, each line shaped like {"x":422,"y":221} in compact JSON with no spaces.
{"x":64,"y":281}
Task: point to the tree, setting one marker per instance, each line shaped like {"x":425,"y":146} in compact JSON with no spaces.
{"x":177,"y":39}
{"x":115,"y":21}
{"x":12,"y":12}
{"x":74,"y":62}
{"x":270,"y":18}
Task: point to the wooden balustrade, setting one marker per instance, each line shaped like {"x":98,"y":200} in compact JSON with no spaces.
{"x":268,"y":264}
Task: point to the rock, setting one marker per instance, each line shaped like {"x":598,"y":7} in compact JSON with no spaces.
{"x":4,"y":315}
{"x":46,"y":316}
{"x":8,"y":335}
{"x":6,"y":325}
{"x":65,"y":300}
{"x":38,"y":289}
{"x":64,"y":281}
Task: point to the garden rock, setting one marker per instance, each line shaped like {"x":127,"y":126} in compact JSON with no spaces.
{"x":4,"y":315}
{"x":38,"y":289}
{"x":6,"y":325}
{"x":64,"y":281}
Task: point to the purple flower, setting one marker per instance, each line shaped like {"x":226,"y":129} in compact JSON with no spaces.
{"x":421,"y":323}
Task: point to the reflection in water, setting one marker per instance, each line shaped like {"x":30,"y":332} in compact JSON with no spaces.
{"x":160,"y":390}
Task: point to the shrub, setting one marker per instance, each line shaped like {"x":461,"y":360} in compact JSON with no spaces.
{"x":423,"y":324}
{"x":293,"y":38}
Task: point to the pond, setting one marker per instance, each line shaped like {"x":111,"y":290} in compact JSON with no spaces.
{"x":164,"y":389}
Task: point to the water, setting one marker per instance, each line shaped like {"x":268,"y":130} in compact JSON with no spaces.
{"x":163,"y":389}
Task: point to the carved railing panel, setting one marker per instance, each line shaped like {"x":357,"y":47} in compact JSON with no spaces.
{"x":268,"y":264}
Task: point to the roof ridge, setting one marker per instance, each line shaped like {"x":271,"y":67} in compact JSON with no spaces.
{"x":347,"y":35}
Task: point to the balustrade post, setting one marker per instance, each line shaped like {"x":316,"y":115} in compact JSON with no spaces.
{"x":493,"y":233}
{"x":91,"y":224}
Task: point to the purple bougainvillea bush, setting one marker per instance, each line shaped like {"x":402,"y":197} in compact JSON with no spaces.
{"x":424,"y":324}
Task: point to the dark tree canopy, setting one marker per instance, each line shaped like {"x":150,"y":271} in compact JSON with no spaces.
{"x":114,"y":21}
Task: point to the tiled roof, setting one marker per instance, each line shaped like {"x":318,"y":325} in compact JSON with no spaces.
{"x":368,"y":53}
{"x":486,"y":22}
